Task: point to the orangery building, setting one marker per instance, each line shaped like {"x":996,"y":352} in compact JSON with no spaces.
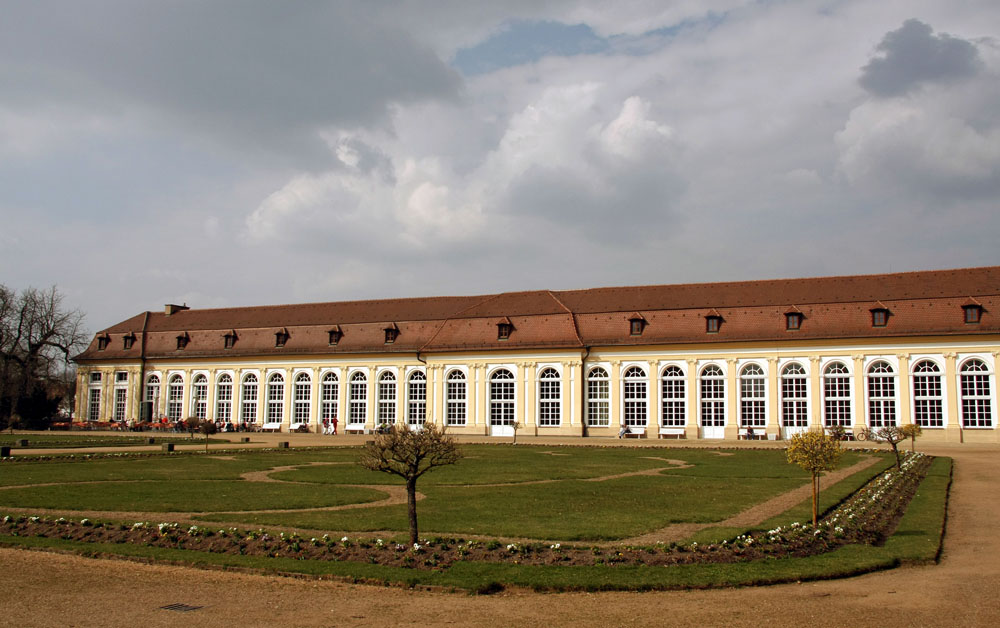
{"x":696,"y":361}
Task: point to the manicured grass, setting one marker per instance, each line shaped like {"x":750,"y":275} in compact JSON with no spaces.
{"x":569,"y":510}
{"x":628,"y":503}
{"x":184,"y":496}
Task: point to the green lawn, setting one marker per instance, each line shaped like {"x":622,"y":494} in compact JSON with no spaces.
{"x":525,"y":491}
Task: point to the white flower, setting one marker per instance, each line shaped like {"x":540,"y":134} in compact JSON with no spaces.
{"x":344,"y":540}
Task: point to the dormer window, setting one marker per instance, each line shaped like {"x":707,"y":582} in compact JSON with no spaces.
{"x":636,"y":323}
{"x":183,"y":340}
{"x":281,"y":337}
{"x":102,"y":342}
{"x":973,"y":313}
{"x":793,"y":320}
{"x":713,"y":322}
{"x":335,"y":335}
{"x":229,"y":340}
{"x":880,"y":317}
{"x":128,"y":341}
{"x":504,"y":328}
{"x":391,"y":333}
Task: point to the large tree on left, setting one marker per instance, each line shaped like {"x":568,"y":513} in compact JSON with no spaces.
{"x":38,"y":335}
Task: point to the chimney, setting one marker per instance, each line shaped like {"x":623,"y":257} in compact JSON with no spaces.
{"x":171,"y":308}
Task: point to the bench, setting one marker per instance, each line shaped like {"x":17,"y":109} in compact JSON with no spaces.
{"x":298,"y":427}
{"x":672,"y":432}
{"x":271,"y":427}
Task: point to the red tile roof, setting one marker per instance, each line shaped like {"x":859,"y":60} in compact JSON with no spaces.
{"x":919,"y":303}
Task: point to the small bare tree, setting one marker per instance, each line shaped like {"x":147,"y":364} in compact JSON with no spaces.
{"x":410,"y":454}
{"x":516,"y":425}
{"x":207,"y":428}
{"x":892,"y":435}
{"x":816,"y":453}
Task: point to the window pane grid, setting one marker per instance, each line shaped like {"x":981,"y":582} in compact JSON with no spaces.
{"x":416,"y":413}
{"x":455,"y":413}
{"x":977,"y":408}
{"x":387,"y":399}
{"x":329,"y":397}
{"x":634,"y":396}
{"x":224,"y":399}
{"x":673,"y":411}
{"x":502,"y":398}
{"x":302,"y":402}
{"x":549,"y":406}
{"x":248,"y":410}
{"x":276,"y":399}
{"x":358,"y":410}
{"x":837,"y":396}
{"x":713,"y":395}
{"x":598,"y":398}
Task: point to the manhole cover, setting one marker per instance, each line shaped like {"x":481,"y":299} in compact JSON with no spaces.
{"x":181,"y":608}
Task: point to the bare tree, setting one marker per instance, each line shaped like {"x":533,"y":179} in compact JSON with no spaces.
{"x":892,"y":435}
{"x":38,"y":336}
{"x":410,"y":454}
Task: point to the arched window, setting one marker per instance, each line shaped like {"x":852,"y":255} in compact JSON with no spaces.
{"x":358,"y":410}
{"x":121,"y":396}
{"x":455,"y":398}
{"x":713,"y":397}
{"x":881,"y":395}
{"x":977,"y":410}
{"x":794,"y":396}
{"x":329,"y":397}
{"x":549,"y":398}
{"x":248,"y":399}
{"x":153,"y":394}
{"x":276,"y":398}
{"x":416,"y":399}
{"x":752,"y":399}
{"x":94,"y":397}
{"x":224,"y":399}
{"x":199,"y":396}
{"x":836,"y":395}
{"x":635,"y":396}
{"x":502,"y":398}
{"x":175,"y":398}
{"x":387,"y":398}
{"x":302,"y":398}
{"x":928,"y":400}
{"x":598,"y":398}
{"x":673,"y":409}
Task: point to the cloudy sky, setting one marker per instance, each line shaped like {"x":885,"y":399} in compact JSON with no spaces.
{"x":241,"y":152}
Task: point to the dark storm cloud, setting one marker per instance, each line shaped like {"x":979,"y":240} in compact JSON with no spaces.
{"x":254,"y":74}
{"x":912,"y":55}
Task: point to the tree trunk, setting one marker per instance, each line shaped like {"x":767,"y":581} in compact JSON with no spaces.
{"x":411,"y":507}
{"x":815,"y":498}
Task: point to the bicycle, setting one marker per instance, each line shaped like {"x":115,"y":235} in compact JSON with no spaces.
{"x":865,"y":433}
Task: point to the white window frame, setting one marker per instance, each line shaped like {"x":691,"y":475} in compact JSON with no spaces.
{"x":175,"y":397}
{"x":387,"y":393}
{"x":199,"y":396}
{"x":719,"y":399}
{"x":838,"y":400}
{"x":793,"y":390}
{"x":924,"y":403}
{"x":599,"y":397}
{"x":224,"y":398}
{"x":416,"y":398}
{"x":152,"y":394}
{"x":549,"y":397}
{"x":329,"y":405}
{"x":673,"y":396}
{"x":275,"y":402}
{"x":249,"y":403}
{"x":635,"y":406}
{"x":302,"y":397}
{"x":456,"y":395}
{"x":121,"y":396}
{"x":878,"y":406}
{"x":990,"y":405}
{"x":753,"y":395}
{"x":357,"y":399}
{"x":502,"y":404}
